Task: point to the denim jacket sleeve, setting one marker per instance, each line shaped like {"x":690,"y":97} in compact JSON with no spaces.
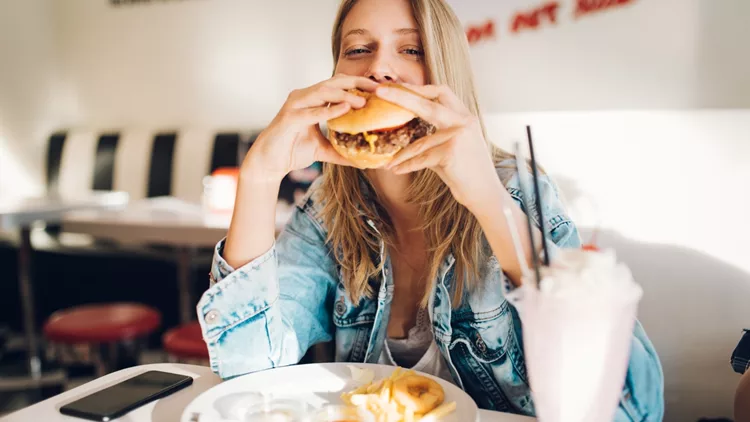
{"x":643,"y":393}
{"x":559,"y":230}
{"x":268,"y":312}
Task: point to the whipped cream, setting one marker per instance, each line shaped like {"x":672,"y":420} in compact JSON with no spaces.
{"x":576,"y":272}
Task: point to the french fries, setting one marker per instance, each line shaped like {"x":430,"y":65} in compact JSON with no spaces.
{"x":377,"y":398}
{"x":438,"y":412}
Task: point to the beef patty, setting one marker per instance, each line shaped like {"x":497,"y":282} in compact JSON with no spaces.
{"x":390,"y":140}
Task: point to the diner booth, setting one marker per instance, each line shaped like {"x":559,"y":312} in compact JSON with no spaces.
{"x":123,"y":126}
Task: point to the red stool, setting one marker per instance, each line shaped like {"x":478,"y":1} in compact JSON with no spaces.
{"x":185,"y":343}
{"x":108,"y":325}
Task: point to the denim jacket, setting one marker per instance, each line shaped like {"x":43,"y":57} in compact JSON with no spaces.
{"x":269,"y":312}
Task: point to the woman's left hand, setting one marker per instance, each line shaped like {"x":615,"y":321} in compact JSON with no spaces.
{"x":457,"y":151}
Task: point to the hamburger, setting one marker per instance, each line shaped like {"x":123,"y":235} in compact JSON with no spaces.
{"x":370,"y":136}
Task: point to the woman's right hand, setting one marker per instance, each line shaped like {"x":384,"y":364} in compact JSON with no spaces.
{"x":294,"y":140}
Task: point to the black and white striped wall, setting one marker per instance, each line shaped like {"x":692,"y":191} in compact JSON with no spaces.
{"x":144,"y":163}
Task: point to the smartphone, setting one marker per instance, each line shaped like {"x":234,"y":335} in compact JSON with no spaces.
{"x":119,"y":399}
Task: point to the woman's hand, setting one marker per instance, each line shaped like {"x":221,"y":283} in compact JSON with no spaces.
{"x":293,"y":139}
{"x":457,"y":151}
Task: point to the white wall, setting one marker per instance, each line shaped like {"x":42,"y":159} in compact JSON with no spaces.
{"x":214,"y":62}
{"x":654,"y":54}
{"x":667,"y":187}
{"x":29,"y":91}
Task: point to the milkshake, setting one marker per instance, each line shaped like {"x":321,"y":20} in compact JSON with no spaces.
{"x":577,"y":333}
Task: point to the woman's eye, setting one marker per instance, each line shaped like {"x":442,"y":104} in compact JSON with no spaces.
{"x":414,"y":52}
{"x":355,"y":51}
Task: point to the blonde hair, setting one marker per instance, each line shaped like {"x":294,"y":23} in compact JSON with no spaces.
{"x":448,"y":226}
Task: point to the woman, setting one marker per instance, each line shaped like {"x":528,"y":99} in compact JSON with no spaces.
{"x":399,"y":265}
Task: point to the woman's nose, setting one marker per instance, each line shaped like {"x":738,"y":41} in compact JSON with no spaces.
{"x":381,"y":77}
{"x":380,"y":71}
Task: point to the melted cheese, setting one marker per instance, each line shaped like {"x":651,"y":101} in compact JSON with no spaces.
{"x":370,"y":138}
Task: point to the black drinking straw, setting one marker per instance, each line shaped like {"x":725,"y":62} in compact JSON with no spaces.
{"x":522,"y":171}
{"x":537,"y":196}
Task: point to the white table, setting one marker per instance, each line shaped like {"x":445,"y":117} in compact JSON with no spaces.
{"x":168,"y":409}
{"x":22,"y":211}
{"x":19,"y":214}
{"x":163,"y":220}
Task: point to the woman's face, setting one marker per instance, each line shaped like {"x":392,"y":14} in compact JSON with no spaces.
{"x":379,"y":40}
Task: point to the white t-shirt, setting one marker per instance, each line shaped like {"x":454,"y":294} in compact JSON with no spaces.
{"x":418,"y":351}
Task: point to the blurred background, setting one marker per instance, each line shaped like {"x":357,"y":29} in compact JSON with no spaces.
{"x":640,"y":111}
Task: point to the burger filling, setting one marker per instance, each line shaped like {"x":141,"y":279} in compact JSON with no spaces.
{"x":386,"y":141}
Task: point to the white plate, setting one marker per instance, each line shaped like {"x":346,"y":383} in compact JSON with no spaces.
{"x":317,"y":384}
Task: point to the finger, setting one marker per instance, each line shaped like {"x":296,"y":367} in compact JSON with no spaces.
{"x":315,"y":115}
{"x":421,"y":145}
{"x":323,"y":95}
{"x":431,"y":111}
{"x":327,"y":154}
{"x":442,"y":93}
{"x":429,"y":159}
{"x":342,"y":81}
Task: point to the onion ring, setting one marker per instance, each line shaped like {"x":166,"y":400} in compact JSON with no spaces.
{"x":421,"y":394}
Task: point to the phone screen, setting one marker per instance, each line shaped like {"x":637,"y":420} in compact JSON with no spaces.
{"x":119,"y":399}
